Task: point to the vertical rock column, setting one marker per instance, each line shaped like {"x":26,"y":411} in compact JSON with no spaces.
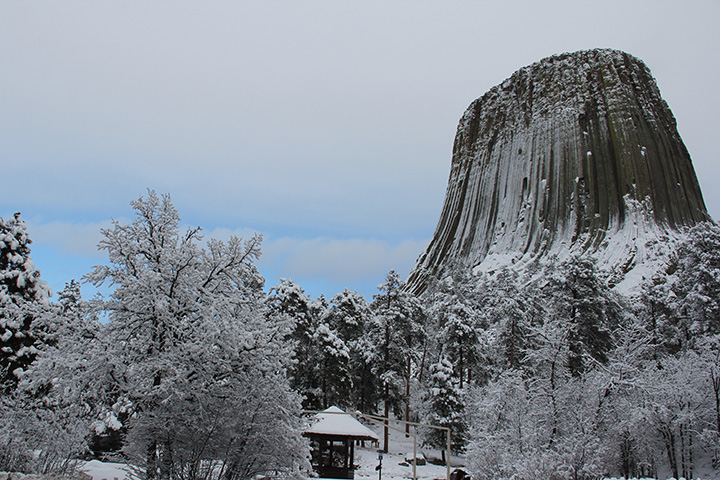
{"x":549,"y":159}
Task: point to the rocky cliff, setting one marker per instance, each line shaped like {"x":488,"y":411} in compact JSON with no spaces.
{"x":575,"y":153}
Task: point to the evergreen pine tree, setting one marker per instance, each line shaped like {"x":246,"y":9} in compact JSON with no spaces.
{"x":349,"y":316}
{"x":59,"y":399}
{"x":396,"y":332}
{"x":579,"y":297}
{"x":656,"y":308}
{"x":23,"y":297}
{"x":332,"y":367}
{"x":446,"y":407}
{"x":455,"y":314}
{"x":287,"y":301}
{"x":697,"y":280}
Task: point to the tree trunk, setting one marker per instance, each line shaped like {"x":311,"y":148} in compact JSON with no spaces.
{"x":151,"y":466}
{"x":716,"y":388}
{"x":683,"y":451}
{"x":686,"y":446}
{"x":386,"y":394}
{"x":625,"y":457}
{"x":407,"y":399}
{"x":422,"y":361}
{"x":553,"y":401}
{"x":152,"y":469}
{"x":669,"y":438}
{"x":691,"y":460}
{"x":165,"y":461}
{"x":461,"y":365}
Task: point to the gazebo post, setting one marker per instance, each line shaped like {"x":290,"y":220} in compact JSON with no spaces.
{"x":352,"y":452}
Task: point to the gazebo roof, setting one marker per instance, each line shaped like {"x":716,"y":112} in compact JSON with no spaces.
{"x":335,"y":422}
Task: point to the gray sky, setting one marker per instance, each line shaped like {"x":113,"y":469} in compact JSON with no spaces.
{"x":325,"y":125}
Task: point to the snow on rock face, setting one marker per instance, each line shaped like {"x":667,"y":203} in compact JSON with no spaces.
{"x":575,"y":153}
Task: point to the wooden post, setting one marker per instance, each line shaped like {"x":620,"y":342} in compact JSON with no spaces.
{"x":447,"y":457}
{"x":414,"y":457}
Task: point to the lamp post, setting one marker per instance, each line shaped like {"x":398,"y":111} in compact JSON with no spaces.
{"x":379,"y":467}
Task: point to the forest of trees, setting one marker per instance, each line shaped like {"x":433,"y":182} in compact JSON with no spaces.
{"x":193,"y":369}
{"x":185,"y":378}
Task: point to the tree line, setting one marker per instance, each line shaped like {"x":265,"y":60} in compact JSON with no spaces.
{"x":196,"y":372}
{"x":544,"y":373}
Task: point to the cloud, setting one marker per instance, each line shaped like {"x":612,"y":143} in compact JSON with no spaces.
{"x":81,"y":239}
{"x":321,"y":265}
{"x":68,"y":238}
{"x":338,"y":263}
{"x":224,"y":234}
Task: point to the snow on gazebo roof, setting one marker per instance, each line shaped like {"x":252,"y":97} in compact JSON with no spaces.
{"x":335,"y":422}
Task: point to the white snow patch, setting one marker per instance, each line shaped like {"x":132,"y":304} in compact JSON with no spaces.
{"x":107,"y":470}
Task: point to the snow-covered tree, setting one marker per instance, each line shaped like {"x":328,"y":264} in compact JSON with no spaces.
{"x":538,"y":425}
{"x":23,"y":297}
{"x":288,"y":302}
{"x":576,"y":294}
{"x":675,"y":409}
{"x":48,"y":418}
{"x":550,"y":368}
{"x":79,"y":362}
{"x":697,"y":280}
{"x":512,"y":307}
{"x":453,"y":310}
{"x":332,"y":367}
{"x":507,"y":439}
{"x":41,"y":428}
{"x":349,"y":316}
{"x":321,"y":356}
{"x":656,"y":309}
{"x":192,"y":352}
{"x":226,"y":413}
{"x":445,"y":407}
{"x":396,"y":332}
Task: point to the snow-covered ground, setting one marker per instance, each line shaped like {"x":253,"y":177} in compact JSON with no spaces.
{"x":366,"y":457}
{"x":400,"y":449}
{"x":106,"y":470}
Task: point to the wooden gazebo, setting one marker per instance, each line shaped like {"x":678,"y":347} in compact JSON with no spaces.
{"x":332,"y":439}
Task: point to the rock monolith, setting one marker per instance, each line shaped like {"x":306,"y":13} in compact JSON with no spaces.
{"x":577,"y":153}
